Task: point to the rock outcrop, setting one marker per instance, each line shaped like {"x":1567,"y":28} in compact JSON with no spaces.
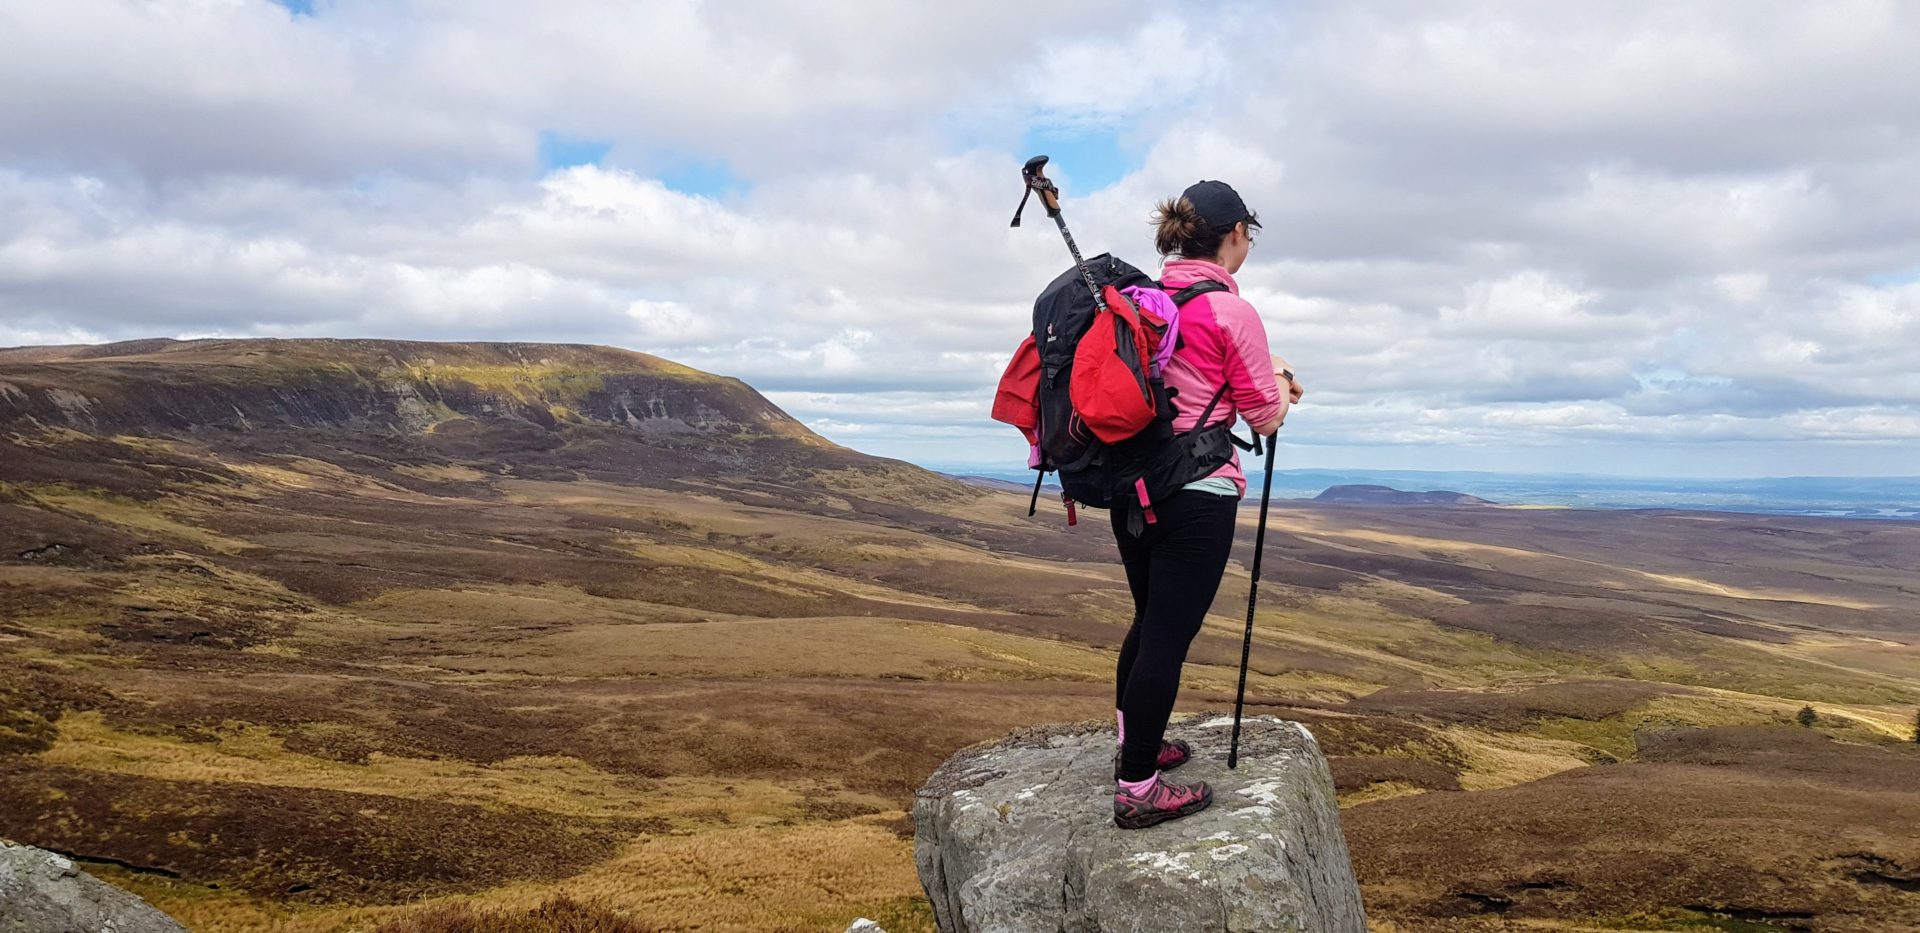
{"x":44,"y":892}
{"x":1018,"y":837}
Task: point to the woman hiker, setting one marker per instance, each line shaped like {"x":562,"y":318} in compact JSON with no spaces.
{"x":1174,"y":566}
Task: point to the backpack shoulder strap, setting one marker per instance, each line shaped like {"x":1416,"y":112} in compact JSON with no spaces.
{"x":1171,"y":341}
{"x":1197,"y":289}
{"x":1181,"y":297}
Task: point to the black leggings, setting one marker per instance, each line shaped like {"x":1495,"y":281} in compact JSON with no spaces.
{"x":1173,"y":569}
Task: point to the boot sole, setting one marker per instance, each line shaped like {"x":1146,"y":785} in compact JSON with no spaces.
{"x":1156,"y":817}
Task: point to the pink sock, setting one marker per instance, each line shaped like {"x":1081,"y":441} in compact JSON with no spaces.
{"x":1138,"y":788}
{"x":1119,"y":727}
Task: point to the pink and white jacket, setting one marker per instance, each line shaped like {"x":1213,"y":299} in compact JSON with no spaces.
{"x":1222,"y":343}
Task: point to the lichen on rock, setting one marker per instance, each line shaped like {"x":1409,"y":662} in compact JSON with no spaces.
{"x":1018,"y":835}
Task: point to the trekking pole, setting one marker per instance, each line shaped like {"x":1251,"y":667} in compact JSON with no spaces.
{"x":1034,"y":174}
{"x":1253,"y":594}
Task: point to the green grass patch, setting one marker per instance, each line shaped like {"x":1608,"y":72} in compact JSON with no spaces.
{"x":1614,"y":736}
{"x":151,"y":518}
{"x":525,"y":383}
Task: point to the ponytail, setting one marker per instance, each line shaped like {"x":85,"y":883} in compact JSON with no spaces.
{"x":1180,"y":230}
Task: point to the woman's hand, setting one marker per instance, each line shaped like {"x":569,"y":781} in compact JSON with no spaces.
{"x":1284,"y":372}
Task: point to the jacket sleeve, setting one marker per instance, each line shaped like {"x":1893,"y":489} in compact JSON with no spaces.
{"x":1251,"y":383}
{"x":1017,"y":400}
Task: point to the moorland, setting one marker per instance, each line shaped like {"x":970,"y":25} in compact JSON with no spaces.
{"x":354,"y":635}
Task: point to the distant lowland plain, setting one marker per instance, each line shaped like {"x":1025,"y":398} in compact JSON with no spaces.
{"x":1883,"y":497}
{"x":314,"y":635}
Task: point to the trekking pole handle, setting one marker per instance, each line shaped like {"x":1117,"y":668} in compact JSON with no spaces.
{"x":1035,"y":172}
{"x":1035,"y":175}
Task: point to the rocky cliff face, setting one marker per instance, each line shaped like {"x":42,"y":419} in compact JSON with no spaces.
{"x":43,"y":892}
{"x":1018,"y":837}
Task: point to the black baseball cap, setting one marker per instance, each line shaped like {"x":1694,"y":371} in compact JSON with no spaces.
{"x":1219,"y":205}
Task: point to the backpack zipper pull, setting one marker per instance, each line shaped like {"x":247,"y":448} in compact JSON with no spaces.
{"x":1146,"y":503}
{"x":1073,"y":517}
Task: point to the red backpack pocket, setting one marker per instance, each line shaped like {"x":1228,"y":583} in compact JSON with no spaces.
{"x":1109,"y":390}
{"x":1017,"y":400}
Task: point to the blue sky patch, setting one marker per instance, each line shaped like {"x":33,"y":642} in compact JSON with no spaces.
{"x":1084,"y":160}
{"x":1672,"y":380}
{"x":562,"y":152}
{"x":296,"y":7}
{"x":703,"y":177}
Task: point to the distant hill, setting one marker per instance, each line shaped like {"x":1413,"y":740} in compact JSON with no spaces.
{"x":1387,"y":495}
{"x":533,"y":410}
{"x":408,"y":386}
{"x":1004,"y":485}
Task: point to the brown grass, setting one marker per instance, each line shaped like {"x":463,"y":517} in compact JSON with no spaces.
{"x":559,"y":915}
{"x":551,"y":672}
{"x":1775,"y":822}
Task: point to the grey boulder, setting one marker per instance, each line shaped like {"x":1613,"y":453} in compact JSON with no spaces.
{"x":44,"y":892}
{"x":1017,"y":836}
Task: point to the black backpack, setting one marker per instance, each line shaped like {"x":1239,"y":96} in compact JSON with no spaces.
{"x":1143,"y":469}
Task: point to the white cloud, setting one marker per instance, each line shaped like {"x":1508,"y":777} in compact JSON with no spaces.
{"x":1497,"y":227}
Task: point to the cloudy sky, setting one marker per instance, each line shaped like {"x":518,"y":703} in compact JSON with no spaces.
{"x":1664,"y":238}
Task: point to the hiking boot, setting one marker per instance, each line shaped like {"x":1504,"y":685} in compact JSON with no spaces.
{"x":1172,"y":755}
{"x":1162,"y":801}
